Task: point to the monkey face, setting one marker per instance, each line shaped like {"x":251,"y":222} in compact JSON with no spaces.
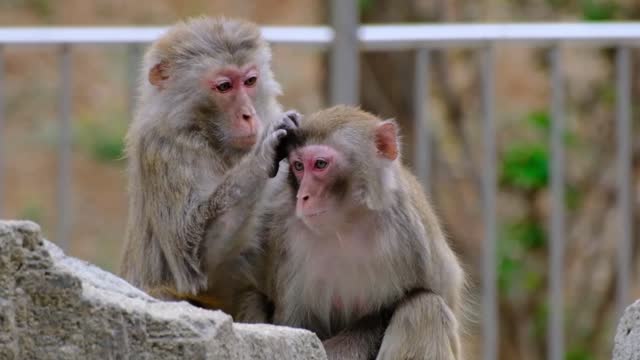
{"x":342,"y":165}
{"x":233,"y":89}
{"x":322,"y":186}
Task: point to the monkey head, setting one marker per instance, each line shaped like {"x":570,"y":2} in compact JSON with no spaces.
{"x":218,"y":73}
{"x":343,"y":162}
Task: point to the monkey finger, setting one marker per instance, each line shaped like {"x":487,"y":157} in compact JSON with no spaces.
{"x":278,"y":134}
{"x":294,"y":116}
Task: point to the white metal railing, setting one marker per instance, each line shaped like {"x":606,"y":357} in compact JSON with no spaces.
{"x":346,"y":39}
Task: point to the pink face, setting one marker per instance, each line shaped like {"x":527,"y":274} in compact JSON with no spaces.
{"x":234,"y":91}
{"x":317,"y":169}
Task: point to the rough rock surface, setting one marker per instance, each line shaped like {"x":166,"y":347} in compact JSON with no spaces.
{"x":58,"y":307}
{"x":627,"y":341}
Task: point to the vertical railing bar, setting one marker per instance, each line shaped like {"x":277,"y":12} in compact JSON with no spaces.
{"x":344,"y":57}
{"x":133,"y":68}
{"x":64,"y":156}
{"x":422,"y":131}
{"x":624,"y":133}
{"x":3,"y":137}
{"x":556,"y":315}
{"x":489,"y":190}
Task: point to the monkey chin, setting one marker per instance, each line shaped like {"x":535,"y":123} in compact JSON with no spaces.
{"x":317,"y":220}
{"x":244,"y":142}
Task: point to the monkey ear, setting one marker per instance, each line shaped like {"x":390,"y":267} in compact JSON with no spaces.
{"x":159,"y":74}
{"x":386,"y":138}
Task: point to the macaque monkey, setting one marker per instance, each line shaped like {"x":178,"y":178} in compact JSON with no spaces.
{"x":200,"y":150}
{"x":352,"y":250}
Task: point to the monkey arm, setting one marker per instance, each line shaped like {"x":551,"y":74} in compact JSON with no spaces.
{"x":233,"y":202}
{"x":182,"y":216}
{"x":229,"y":210}
{"x":422,"y":327}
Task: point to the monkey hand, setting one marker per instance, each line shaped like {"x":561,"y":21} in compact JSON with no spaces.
{"x":276,"y":142}
{"x":291,"y":121}
{"x":266,"y":150}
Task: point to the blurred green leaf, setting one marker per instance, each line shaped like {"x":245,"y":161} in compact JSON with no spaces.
{"x":525,"y":167}
{"x":509,"y":270}
{"x":533,"y":281}
{"x":598,"y":10}
{"x":107,"y":146}
{"x":104,"y":140}
{"x":365,"y":5}
{"x":540,"y":320}
{"x":578,"y":353}
{"x":42,"y":8}
{"x":32,"y":211}
{"x":527,"y":233}
{"x":573,"y":197}
{"x":540,"y":119}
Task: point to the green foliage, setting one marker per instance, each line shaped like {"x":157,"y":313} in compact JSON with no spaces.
{"x":598,"y":10}
{"x":525,"y":167}
{"x":529,"y":234}
{"x":365,"y":5}
{"x":516,"y":241}
{"x":42,"y":8}
{"x":573,"y":197}
{"x":32,"y":211}
{"x":509,"y":271}
{"x":540,"y":119}
{"x":533,"y":281}
{"x":558,"y":4}
{"x":107,"y":145}
{"x":578,"y":353}
{"x":540,"y":316}
{"x":103,"y":140}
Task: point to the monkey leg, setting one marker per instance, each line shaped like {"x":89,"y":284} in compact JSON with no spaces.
{"x":422,"y":327}
{"x":359,"y":341}
{"x":254,"y":307}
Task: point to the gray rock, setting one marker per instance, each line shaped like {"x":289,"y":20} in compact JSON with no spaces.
{"x":627,"y":341}
{"x":57,"y":307}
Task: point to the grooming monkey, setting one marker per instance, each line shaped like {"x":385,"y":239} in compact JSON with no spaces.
{"x":200,"y":149}
{"x":352,"y":250}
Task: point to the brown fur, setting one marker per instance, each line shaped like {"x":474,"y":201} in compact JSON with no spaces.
{"x":406,"y":272}
{"x":191,"y":195}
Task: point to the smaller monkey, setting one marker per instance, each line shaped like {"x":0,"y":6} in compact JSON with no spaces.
{"x":351,"y":248}
{"x":200,"y":150}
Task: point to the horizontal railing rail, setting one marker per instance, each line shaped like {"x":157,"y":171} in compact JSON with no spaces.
{"x":371,"y":37}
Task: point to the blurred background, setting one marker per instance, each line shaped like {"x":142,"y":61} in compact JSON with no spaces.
{"x":101,"y":107}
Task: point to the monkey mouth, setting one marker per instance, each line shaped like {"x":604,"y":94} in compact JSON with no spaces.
{"x":315,"y":214}
{"x":244,"y":141}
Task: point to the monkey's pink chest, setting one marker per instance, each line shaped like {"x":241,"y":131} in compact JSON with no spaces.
{"x":355,"y":306}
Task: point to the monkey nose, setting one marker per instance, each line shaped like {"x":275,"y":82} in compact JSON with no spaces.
{"x":246,"y":116}
{"x":305,"y":197}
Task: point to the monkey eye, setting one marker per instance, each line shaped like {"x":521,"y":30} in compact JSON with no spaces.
{"x":321,"y":164}
{"x":223,"y":87}
{"x":251,"y":81}
{"x":298,"y":165}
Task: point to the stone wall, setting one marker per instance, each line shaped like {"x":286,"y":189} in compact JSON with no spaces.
{"x":57,"y":307}
{"x":627,"y":341}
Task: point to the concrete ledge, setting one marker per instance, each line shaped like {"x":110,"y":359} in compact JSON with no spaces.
{"x":627,"y":340}
{"x":57,"y":307}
